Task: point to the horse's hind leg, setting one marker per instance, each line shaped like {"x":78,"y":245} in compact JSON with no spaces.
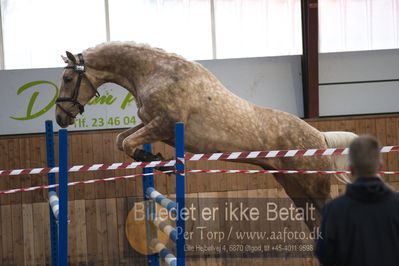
{"x":121,"y":136}
{"x":304,"y":194}
{"x":155,"y":130}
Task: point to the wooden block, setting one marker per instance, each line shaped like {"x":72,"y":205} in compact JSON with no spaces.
{"x":170,"y":153}
{"x":160,"y":181}
{"x":14,"y":163}
{"x":35,"y":144}
{"x":72,"y":232}
{"x":99,"y":157}
{"x":198,"y":180}
{"x":25,"y":156}
{"x":364,"y":126}
{"x":102,"y":242}
{"x":28,"y":237}
{"x":123,"y":245}
{"x":73,"y":158}
{"x":4,"y":164}
{"x":81,"y":237}
{"x":135,"y":258}
{"x":78,"y":159}
{"x":40,"y":211}
{"x":382,"y":137}
{"x":91,"y":232}
{"x":109,"y":157}
{"x":41,"y":161}
{"x":135,"y":185}
{"x":112,"y":231}
{"x":88,"y":153}
{"x":204,"y":201}
{"x":120,"y":185}
{"x":237,"y":181}
{"x":17,"y":234}
{"x":392,"y":138}
{"x":6,"y":236}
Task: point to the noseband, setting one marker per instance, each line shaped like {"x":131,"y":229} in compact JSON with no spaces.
{"x":79,"y":68}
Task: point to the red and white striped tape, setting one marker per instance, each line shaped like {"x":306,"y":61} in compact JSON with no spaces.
{"x":194,"y":157}
{"x":278,"y":153}
{"x":190,"y":171}
{"x":282,"y":172}
{"x":86,"y":168}
{"x":80,"y":182}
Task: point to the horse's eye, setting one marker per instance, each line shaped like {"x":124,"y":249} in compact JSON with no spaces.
{"x":67,"y":79}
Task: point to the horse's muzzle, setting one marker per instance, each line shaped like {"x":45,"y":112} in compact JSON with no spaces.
{"x":64,"y":121}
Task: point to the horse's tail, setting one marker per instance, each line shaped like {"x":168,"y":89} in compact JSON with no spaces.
{"x":339,"y":139}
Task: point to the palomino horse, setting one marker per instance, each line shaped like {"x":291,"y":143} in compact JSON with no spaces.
{"x":170,"y":89}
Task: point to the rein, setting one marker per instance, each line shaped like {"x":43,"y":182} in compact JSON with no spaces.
{"x":79,"y":68}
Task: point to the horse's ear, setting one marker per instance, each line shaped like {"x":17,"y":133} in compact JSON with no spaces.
{"x":71,"y":57}
{"x":65,"y":59}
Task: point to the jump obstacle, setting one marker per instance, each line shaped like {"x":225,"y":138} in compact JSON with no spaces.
{"x":58,"y":206}
{"x":149,"y":192}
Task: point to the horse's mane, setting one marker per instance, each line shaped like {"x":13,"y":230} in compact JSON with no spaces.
{"x":115,"y":45}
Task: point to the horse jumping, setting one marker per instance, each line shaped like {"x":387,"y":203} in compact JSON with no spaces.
{"x":170,"y":89}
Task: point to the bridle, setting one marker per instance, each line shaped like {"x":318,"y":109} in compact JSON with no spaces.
{"x":79,"y":68}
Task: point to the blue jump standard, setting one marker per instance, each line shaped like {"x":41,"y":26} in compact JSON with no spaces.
{"x":180,"y":193}
{"x":149,"y":192}
{"x":51,"y":181}
{"x":63,"y":189}
{"x":148,"y":181}
{"x":59,"y":206}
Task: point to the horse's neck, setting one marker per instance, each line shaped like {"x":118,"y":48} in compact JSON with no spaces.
{"x":129,"y":70}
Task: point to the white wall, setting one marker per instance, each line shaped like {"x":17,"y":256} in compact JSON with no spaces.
{"x":271,"y":82}
{"x":360,"y":98}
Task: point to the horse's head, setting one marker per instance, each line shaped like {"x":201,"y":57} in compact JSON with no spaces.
{"x":78,"y":86}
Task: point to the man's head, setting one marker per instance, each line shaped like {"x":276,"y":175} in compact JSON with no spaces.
{"x":364,"y":156}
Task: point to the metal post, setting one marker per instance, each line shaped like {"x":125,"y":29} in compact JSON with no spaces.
{"x":63,"y":189}
{"x":51,"y":181}
{"x":180,"y":223}
{"x":107,"y":26}
{"x":148,"y":181}
{"x":213,"y":30}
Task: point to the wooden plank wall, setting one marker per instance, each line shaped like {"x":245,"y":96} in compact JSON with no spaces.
{"x":98,"y":211}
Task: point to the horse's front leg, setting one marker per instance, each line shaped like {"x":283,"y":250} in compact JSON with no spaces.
{"x":121,"y":136}
{"x":156,"y":130}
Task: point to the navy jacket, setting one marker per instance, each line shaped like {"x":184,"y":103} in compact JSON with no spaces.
{"x":361,"y":227}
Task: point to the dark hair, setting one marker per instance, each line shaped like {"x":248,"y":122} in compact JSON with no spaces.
{"x":364,"y":155}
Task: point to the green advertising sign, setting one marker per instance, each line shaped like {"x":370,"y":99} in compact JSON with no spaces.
{"x":28,"y":99}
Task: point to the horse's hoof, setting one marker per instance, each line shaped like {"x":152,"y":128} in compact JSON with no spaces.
{"x":144,"y":156}
{"x":139,"y":155}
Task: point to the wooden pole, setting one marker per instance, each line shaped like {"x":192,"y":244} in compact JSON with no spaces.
{"x":310,"y":57}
